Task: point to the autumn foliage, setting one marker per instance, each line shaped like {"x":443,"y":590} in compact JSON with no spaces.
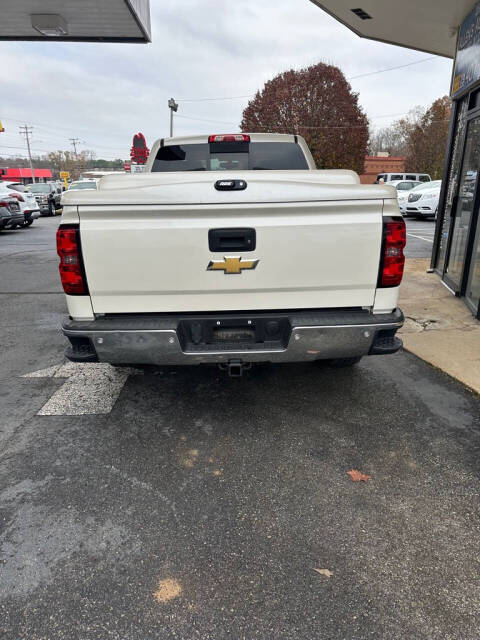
{"x":420,"y":136}
{"x":317,"y":103}
{"x":427,"y":140}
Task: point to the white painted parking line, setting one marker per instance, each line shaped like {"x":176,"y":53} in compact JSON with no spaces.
{"x":412,"y":235}
{"x":90,"y":388}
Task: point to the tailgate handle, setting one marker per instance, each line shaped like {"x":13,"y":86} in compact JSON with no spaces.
{"x":230,"y":185}
{"x":232,"y":239}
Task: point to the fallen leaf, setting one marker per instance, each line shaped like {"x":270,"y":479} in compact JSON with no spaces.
{"x":324,"y":572}
{"x":167,"y":590}
{"x":358,"y":476}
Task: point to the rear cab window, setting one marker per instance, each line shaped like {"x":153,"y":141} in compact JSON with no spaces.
{"x":230,"y":156}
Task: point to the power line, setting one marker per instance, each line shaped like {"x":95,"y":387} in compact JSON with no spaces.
{"x":402,"y":66}
{"x":74,"y":142}
{"x":27,"y":131}
{"x":209,"y":99}
{"x":234,"y":124}
{"x":298,"y":126}
{"x":362,"y":75}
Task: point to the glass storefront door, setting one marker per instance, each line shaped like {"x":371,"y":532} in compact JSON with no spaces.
{"x":463,"y":212}
{"x":472,"y":293}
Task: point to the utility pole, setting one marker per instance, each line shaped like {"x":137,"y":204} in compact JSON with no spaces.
{"x":173,"y":106}
{"x":74,"y":142}
{"x":27,"y":132}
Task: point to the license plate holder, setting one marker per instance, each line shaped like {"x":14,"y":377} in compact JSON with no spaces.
{"x":236,"y":332}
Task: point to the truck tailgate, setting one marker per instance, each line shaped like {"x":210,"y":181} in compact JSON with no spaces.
{"x":142,"y":258}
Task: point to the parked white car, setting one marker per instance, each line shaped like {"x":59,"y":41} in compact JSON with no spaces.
{"x":422,"y":201}
{"x":28,"y":204}
{"x":391,"y":177}
{"x":403,"y":188}
{"x":82,"y":184}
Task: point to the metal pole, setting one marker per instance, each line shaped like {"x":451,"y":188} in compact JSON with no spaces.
{"x":173,"y":106}
{"x":26,"y":131}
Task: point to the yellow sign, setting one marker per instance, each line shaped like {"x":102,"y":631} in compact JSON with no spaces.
{"x":231,"y":264}
{"x":1,"y":127}
{"x":65,"y":175}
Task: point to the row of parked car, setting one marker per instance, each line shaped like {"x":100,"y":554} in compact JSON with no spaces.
{"x":21,"y":204}
{"x":418,"y":195}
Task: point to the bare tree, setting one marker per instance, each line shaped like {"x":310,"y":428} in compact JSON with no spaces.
{"x":427,"y":139}
{"x":394,"y":139}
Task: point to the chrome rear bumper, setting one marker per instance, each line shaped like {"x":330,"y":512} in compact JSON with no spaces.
{"x":160,"y":339}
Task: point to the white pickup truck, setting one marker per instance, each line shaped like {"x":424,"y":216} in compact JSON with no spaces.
{"x":231,"y":249}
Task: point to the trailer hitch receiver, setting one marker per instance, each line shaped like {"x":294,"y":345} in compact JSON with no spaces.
{"x":235,"y":368}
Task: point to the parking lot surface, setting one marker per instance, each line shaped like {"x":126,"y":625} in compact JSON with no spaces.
{"x":199,"y":506}
{"x":420,"y":235}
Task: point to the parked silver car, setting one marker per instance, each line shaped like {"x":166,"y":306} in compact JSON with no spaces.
{"x":26,"y":200}
{"x":10,"y":213}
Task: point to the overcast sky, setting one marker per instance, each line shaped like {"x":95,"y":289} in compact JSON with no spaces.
{"x":104,"y":93}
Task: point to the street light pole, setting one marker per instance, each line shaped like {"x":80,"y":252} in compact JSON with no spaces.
{"x":173,"y":106}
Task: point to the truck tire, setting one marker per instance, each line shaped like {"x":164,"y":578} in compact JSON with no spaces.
{"x":53,"y":208}
{"x":344,"y":362}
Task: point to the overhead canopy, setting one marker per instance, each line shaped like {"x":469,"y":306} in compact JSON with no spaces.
{"x":425,"y":25}
{"x":76,"y":20}
{"x":15,"y":174}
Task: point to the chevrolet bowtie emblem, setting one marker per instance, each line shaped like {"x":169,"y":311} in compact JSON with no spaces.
{"x":231,"y":264}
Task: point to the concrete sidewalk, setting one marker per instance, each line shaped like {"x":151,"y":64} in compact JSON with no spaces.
{"x":438,"y":327}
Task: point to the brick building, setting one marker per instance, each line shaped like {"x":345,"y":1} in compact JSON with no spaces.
{"x":381,"y":164}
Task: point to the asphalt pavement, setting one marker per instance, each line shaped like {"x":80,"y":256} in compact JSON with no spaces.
{"x":419,"y":238}
{"x":200,"y":506}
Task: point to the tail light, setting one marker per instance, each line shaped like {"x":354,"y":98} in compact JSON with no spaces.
{"x":4,"y":204}
{"x":71,"y":269}
{"x":393,"y":260}
{"x":230,"y":137}
{"x":18,"y":196}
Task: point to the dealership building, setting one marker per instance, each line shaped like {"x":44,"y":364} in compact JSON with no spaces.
{"x":450,"y":29}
